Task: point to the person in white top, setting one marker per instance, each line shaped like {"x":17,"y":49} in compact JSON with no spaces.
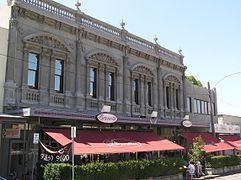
{"x":190,"y":171}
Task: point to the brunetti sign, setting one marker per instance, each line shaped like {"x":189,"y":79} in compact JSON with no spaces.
{"x":106,"y":118}
{"x":122,"y":142}
{"x":186,"y":123}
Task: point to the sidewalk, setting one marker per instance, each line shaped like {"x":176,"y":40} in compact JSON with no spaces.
{"x":212,"y":176}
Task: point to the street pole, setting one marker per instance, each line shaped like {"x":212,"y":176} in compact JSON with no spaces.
{"x":73,"y":135}
{"x":211,"y":110}
{"x":72,"y":158}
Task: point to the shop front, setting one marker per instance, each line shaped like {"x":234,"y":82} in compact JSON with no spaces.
{"x":99,"y":137}
{"x":12,"y":144}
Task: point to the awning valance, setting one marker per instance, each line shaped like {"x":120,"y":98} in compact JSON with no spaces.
{"x":220,"y":146}
{"x":104,"y":142}
{"x":212,"y":144}
{"x":206,"y":137}
{"x":229,"y":137}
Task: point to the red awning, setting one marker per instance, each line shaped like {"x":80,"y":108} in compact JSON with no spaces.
{"x":212,"y":144}
{"x":220,"y":146}
{"x":229,"y":137}
{"x":236,"y":144}
{"x":103,"y":142}
{"x":206,"y":137}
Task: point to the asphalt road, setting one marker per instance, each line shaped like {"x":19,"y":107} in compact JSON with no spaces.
{"x":236,"y":176}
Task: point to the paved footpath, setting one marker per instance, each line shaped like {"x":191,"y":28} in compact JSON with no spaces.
{"x":230,"y":176}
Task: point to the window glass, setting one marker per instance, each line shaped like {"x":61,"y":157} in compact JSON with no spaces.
{"x":58,"y":83}
{"x":149,"y":94}
{"x":177,"y":99}
{"x":93,"y":82}
{"x":33,"y":60}
{"x":111,"y":86}
{"x":167,"y":97}
{"x":136,"y":95}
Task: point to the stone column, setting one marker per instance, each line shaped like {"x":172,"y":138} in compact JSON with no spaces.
{"x":160,"y":91}
{"x":24,"y":85}
{"x":12,"y":49}
{"x":174,"y":97}
{"x":80,"y":76}
{"x":127,"y":90}
{"x":67,"y":80}
{"x":118,"y":90}
{"x":87,"y":94}
{"x":145,"y":89}
{"x":44,"y":69}
{"x":183,"y":94}
{"x":13,"y":63}
{"x":101,"y":83}
{"x":155,"y":95}
{"x":52,"y":71}
{"x":181,"y":98}
{"x":171,"y":94}
{"x":67,"y":72}
{"x":25,"y":67}
{"x":142,"y":95}
{"x":165,"y":84}
{"x":44,"y":75}
{"x":51,"y":77}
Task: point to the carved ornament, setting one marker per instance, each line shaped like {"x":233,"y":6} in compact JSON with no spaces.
{"x":103,"y":58}
{"x":48,"y":41}
{"x":143,"y":70}
{"x":172,"y":78}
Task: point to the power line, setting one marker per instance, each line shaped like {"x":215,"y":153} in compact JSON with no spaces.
{"x":225,"y":78}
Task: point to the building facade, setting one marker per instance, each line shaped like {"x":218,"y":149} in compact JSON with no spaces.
{"x":63,"y":66}
{"x":228,"y":124}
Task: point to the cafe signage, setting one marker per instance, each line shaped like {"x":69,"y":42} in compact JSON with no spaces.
{"x":228,"y":129}
{"x":12,"y":133}
{"x":106,"y":118}
{"x":122,"y":142}
{"x":53,"y":154}
{"x":186,"y":123}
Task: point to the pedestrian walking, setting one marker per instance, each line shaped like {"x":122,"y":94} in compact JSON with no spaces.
{"x":190,"y":171}
{"x":199,"y":169}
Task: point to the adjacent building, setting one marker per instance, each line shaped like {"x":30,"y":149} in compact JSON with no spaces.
{"x":63,"y":66}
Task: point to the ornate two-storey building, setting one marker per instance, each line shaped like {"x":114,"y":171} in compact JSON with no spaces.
{"x":63,"y":66}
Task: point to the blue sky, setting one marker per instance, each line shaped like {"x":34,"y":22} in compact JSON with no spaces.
{"x":207,"y":31}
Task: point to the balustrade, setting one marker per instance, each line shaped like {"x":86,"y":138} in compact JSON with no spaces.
{"x":57,"y":99}
{"x":51,"y":7}
{"x":31,"y":96}
{"x":94,"y":24}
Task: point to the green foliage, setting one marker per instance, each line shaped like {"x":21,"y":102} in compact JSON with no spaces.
{"x":40,"y":170}
{"x":194,"y":80}
{"x":221,"y":161}
{"x":57,"y":171}
{"x":133,"y":169}
{"x":196,"y":151}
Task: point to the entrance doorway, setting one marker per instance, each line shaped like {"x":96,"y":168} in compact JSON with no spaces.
{"x":16,"y":164}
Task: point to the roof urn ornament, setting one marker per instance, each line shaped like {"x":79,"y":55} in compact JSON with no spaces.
{"x":122,"y":24}
{"x":155,"y":39}
{"x":78,"y":4}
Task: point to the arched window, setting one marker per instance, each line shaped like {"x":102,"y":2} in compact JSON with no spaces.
{"x":172,"y":92}
{"x":102,"y":81}
{"x":142,"y":90}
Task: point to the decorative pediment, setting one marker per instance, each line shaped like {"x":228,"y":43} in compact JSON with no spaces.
{"x":103,"y":58}
{"x":172,"y":78}
{"x":46,"y":40}
{"x":143,"y":70}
